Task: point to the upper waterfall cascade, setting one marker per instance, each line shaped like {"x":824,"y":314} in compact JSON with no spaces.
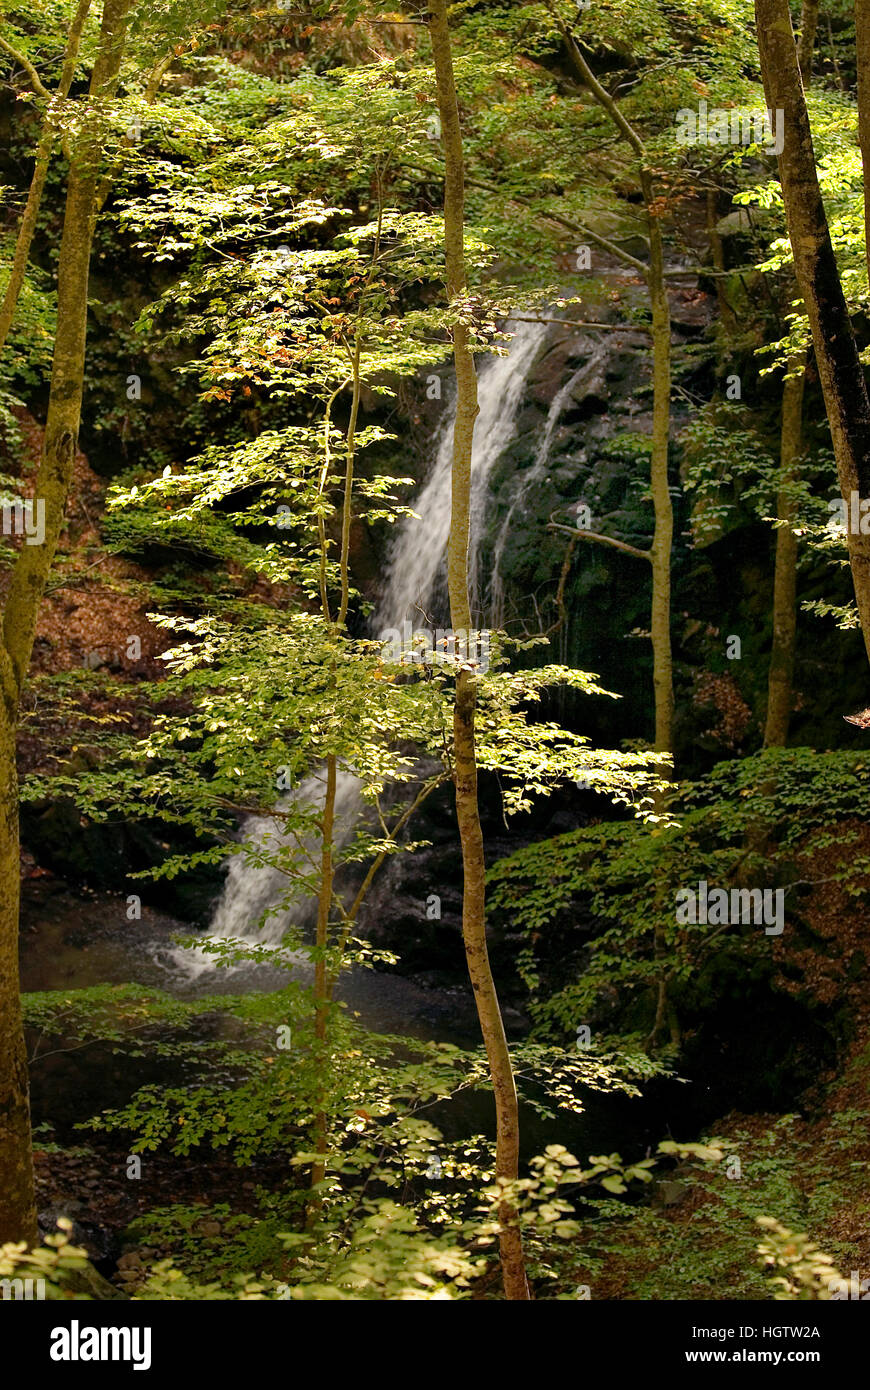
{"x":416,"y":558}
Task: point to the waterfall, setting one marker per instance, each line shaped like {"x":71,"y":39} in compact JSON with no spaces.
{"x":528,"y":480}
{"x":415,"y":565}
{"x":248,"y":892}
{"x":416,"y":558}
{"x":252,"y":888}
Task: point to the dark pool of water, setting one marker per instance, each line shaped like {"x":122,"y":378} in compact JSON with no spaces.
{"x":71,"y":940}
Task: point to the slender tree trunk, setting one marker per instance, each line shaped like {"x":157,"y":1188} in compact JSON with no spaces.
{"x":464,"y":753}
{"x":22,"y":608}
{"x":807,"y":40}
{"x":37,"y":182}
{"x":663,"y":534}
{"x":840,"y":370}
{"x":862,"y":59}
{"x":779,"y":681}
{"x":17,"y":1200}
{"x":324,"y":979}
{"x":717,"y":252}
{"x":782,"y":652}
{"x":663,"y":512}
{"x":321,"y":981}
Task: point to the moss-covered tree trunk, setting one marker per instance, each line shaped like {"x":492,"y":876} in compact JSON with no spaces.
{"x":663,"y":533}
{"x":840,"y":370}
{"x":780,"y":674}
{"x":40,"y":170}
{"x":17,"y":1210}
{"x":464,"y":754}
{"x":862,"y":63}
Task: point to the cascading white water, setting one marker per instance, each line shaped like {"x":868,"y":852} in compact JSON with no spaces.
{"x":252,"y":886}
{"x":531,"y":477}
{"x":416,"y":556}
{"x":414,"y":564}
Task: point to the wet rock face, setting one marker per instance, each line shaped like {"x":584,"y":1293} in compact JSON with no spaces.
{"x":580,"y":455}
{"x":103,"y":857}
{"x":415,"y":906}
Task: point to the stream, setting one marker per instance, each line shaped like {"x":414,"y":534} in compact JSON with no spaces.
{"x":75,"y":938}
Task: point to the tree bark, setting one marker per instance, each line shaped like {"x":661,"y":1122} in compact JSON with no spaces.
{"x":840,"y":370}
{"x":862,"y":62}
{"x":37,"y":182}
{"x":663,"y":533}
{"x":779,"y":681}
{"x":464,"y":752}
{"x":807,"y":40}
{"x":17,"y":1211}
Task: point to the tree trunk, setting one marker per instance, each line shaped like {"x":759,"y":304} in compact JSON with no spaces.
{"x":22,"y":607}
{"x":862,"y":61}
{"x":717,"y":254}
{"x":663,"y":535}
{"x":782,"y":652}
{"x":663,"y":525}
{"x":17,"y":1201}
{"x":37,"y":182}
{"x":840,"y":370}
{"x":807,"y":40}
{"x":464,"y":753}
{"x":321,"y":988}
{"x":779,"y":680}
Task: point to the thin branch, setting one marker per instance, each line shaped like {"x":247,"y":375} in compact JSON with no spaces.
{"x":25,"y":63}
{"x":578,"y":228}
{"x":601,"y":540}
{"x":349,"y":915}
{"x":71,"y":582}
{"x":561,"y":610}
{"x":601,"y":95}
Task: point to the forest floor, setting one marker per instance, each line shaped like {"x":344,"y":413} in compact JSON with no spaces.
{"x":697,"y":1238}
{"x":691,"y":1235}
